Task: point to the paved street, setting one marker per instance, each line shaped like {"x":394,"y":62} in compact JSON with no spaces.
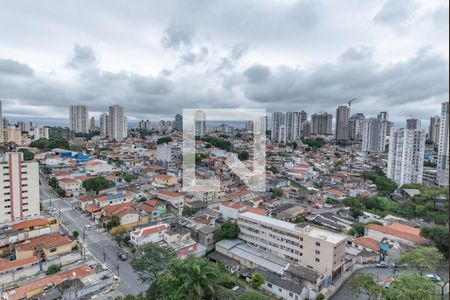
{"x":98,"y":243}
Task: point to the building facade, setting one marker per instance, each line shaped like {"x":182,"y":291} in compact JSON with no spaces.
{"x":442,"y":162}
{"x":118,"y":128}
{"x":342,"y":117}
{"x":406,"y":156}
{"x":78,"y":118}
{"x":321,"y":124}
{"x":310,"y":247}
{"x":19,"y":183}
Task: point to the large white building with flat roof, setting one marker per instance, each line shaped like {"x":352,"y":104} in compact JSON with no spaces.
{"x":311,"y":247}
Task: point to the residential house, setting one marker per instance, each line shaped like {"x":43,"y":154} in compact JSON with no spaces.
{"x":149,"y":234}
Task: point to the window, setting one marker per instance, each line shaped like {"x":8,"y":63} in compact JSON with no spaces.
{"x":317,"y":244}
{"x":269,"y":285}
{"x":51,"y":250}
{"x":291,"y":295}
{"x":317,"y":252}
{"x":317,"y":260}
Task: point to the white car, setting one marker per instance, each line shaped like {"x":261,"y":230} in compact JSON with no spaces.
{"x":433,"y":277}
{"x":88,"y":226}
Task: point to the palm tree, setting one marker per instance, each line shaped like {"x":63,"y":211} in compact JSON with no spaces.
{"x":200,"y":277}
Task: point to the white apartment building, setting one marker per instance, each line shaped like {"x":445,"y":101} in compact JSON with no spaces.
{"x":442,"y":163}
{"x":19,"y":188}
{"x":150,"y":234}
{"x":78,"y":118}
{"x":278,"y":120}
{"x":372,"y":136}
{"x":406,"y":155}
{"x":40,"y":132}
{"x":164,"y":153}
{"x":104,"y":124}
{"x":310,"y":247}
{"x":118,"y":128}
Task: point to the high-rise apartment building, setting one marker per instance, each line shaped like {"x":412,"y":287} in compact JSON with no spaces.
{"x":25,"y":126}
{"x":200,"y":123}
{"x":342,"y":117}
{"x":1,"y":115}
{"x":434,"y":129}
{"x":104,"y":124}
{"x":11,"y":134}
{"x":442,"y":161}
{"x":40,"y":132}
{"x":413,"y":123}
{"x":92,"y":126}
{"x":118,"y":128}
{"x":278,"y":120}
{"x":19,"y":183}
{"x":78,"y":118}
{"x":292,"y":126}
{"x":317,"y":249}
{"x":302,"y":119}
{"x":406,"y":155}
{"x":321,"y":124}
{"x":144,"y":125}
{"x":355,"y":126}
{"x":372,"y":136}
{"x":306,"y":129}
{"x":178,"y":123}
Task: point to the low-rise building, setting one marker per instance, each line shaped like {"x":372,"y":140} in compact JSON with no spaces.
{"x":150,"y":234}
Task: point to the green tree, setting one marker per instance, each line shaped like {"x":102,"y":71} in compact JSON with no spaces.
{"x":75,"y":234}
{"x":358,"y":229}
{"x":243,"y":155}
{"x":252,"y":295}
{"x":188,"y":211}
{"x":228,"y":230}
{"x":411,"y":287}
{"x":53,"y":269}
{"x":150,"y":260}
{"x":385,"y":186}
{"x":162,"y":140}
{"x":27,"y":155}
{"x":277,"y":192}
{"x":320,"y":296}
{"x":439,"y":236}
{"x":114,"y":221}
{"x":128,"y":177}
{"x":96,"y":184}
{"x":422,"y":258}
{"x":257,"y":280}
{"x":364,"y":284}
{"x":190,"y":278}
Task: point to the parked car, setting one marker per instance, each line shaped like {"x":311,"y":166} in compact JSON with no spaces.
{"x":123,"y":256}
{"x":382,"y":265}
{"x":88,"y":226}
{"x":433,"y":277}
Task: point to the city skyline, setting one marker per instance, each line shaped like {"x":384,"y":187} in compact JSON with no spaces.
{"x":178,"y":58}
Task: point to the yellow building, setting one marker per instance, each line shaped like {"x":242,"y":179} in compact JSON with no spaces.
{"x":45,"y":246}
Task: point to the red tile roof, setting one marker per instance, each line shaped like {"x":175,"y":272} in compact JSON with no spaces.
{"x":6,"y":264}
{"x":30,"y":223}
{"x":57,"y":279}
{"x":398,"y":233}
{"x":367,"y":243}
{"x":46,"y":241}
{"x":169,"y":194}
{"x":152,"y":230}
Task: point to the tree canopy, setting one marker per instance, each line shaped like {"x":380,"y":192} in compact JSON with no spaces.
{"x":422,"y":258}
{"x":27,"y":155}
{"x":243,"y":155}
{"x":228,"y":230}
{"x":165,"y":139}
{"x":150,"y":260}
{"x":439,"y":236}
{"x":257,"y":280}
{"x":55,"y":141}
{"x":96,"y":184}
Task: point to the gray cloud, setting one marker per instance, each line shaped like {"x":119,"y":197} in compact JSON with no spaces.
{"x":82,"y":57}
{"x":421,"y":77}
{"x":177,"y":36}
{"x":257,"y":74}
{"x":395,"y":12}
{"x":13,"y":67}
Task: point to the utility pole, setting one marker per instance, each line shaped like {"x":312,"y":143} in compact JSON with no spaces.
{"x":117,"y":264}
{"x":104,"y":254}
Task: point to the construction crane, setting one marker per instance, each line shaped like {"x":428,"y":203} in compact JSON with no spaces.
{"x":350,"y":102}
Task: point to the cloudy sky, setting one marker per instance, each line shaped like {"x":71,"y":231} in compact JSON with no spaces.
{"x":157,"y":57}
